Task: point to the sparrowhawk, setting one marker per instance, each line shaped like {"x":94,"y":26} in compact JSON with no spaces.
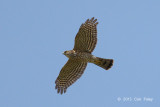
{"x":81,"y":54}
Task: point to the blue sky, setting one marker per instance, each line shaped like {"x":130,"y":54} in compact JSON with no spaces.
{"x":34,"y":33}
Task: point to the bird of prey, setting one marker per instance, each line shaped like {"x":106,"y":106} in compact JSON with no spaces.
{"x":85,"y":42}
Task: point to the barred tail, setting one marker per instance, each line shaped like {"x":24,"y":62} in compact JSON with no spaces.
{"x":104,"y":63}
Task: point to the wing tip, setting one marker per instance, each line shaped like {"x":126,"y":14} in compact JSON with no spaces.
{"x":60,"y":89}
{"x":92,"y":20}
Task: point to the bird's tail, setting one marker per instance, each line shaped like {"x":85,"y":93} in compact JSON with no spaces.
{"x":104,"y":63}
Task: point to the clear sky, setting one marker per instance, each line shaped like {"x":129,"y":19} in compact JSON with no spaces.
{"x":34,"y":33}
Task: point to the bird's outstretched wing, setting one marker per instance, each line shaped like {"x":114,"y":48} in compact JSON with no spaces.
{"x":86,"y":37}
{"x":71,"y":71}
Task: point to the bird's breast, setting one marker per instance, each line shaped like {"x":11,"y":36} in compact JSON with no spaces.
{"x":83,"y":56}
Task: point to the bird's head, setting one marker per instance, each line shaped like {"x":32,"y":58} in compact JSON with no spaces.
{"x":70,"y":53}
